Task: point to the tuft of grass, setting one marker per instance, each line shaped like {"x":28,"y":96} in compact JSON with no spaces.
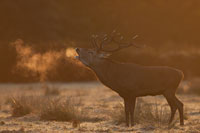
{"x":55,"y":109}
{"x":50,"y":108}
{"x":151,"y":113}
{"x":145,"y":113}
{"x":20,"y":106}
{"x":23,"y":105}
{"x":118,"y":114}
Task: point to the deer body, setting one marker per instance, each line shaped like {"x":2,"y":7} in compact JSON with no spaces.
{"x":131,"y":80}
{"x":136,"y":80}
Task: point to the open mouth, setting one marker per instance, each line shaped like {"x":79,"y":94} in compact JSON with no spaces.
{"x":78,"y":56}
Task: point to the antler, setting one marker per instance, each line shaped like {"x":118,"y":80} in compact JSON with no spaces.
{"x":94,"y":42}
{"x":112,"y":38}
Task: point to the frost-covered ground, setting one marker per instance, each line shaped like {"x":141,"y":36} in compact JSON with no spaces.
{"x":99,"y":103}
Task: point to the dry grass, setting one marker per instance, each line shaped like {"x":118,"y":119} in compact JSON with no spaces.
{"x":57,"y":110}
{"x":48,"y":108}
{"x":20,"y":106}
{"x":51,"y":91}
{"x":21,"y":130}
{"x":118,"y":114}
{"x":151,"y":113}
{"x":145,"y":113}
{"x":93,"y":107}
{"x":148,"y":114}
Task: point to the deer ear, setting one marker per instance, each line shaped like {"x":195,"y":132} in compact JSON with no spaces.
{"x":104,"y":54}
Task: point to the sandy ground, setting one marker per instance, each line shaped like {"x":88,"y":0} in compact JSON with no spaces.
{"x":99,"y":101}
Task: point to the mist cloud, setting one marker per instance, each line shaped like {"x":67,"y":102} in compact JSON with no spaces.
{"x":41,"y":63}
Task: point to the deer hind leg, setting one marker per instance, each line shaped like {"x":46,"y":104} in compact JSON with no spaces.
{"x":173,"y":105}
{"x":180,"y":109}
{"x":127,"y":111}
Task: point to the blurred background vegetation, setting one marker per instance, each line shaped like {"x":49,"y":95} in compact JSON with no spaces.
{"x":169,"y":29}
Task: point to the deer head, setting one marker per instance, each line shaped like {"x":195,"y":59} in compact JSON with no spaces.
{"x":89,"y":57}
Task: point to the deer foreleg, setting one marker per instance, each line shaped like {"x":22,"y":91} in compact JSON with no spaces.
{"x":132,"y":108}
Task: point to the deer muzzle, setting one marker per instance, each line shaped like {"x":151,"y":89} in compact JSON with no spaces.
{"x":77,"y":51}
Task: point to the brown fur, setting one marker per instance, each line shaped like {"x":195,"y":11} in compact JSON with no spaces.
{"x":132,"y":80}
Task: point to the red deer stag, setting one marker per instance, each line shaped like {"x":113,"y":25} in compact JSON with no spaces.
{"x":131,"y":80}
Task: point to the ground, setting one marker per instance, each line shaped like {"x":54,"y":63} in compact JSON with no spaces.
{"x":98,"y":102}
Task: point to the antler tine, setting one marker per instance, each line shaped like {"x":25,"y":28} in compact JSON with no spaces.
{"x":125,"y":44}
{"x":106,"y":40}
{"x":121,"y":45}
{"x":112,"y":38}
{"x":136,"y":36}
{"x":94,"y":42}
